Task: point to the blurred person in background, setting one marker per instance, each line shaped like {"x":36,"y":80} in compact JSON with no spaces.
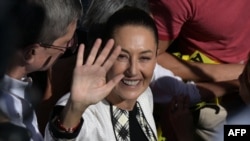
{"x":13,"y":34}
{"x":48,"y":28}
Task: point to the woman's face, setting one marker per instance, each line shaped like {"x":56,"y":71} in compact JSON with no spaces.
{"x":245,"y":84}
{"x":136,"y":61}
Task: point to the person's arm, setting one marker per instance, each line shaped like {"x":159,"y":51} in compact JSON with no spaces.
{"x":169,"y":18}
{"x":208,"y":91}
{"x":165,"y":85}
{"x":88,"y":87}
{"x":197,"y":71}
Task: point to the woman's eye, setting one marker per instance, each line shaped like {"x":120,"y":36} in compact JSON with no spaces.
{"x":122,"y":57}
{"x":145,"y":58}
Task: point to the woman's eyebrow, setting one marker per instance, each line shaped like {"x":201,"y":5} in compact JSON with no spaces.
{"x":143,"y":52}
{"x":146,"y":51}
{"x":123,"y":50}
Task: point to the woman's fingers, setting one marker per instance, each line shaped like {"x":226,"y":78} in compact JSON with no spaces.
{"x":94,"y":51}
{"x":105,"y":52}
{"x":103,"y":58}
{"x":79,"y":59}
{"x":111,"y":84}
{"x":112,"y":58}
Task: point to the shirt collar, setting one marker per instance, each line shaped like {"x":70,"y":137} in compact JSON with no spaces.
{"x":15,"y":86}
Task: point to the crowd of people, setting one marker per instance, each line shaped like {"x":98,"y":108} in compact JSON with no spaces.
{"x":123,"y":69}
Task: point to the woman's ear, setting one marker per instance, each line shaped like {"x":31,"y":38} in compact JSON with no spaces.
{"x":157,"y":51}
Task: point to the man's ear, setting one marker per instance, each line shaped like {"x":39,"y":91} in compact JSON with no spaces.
{"x":29,"y":53}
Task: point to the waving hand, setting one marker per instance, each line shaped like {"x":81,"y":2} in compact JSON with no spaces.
{"x":89,"y":84}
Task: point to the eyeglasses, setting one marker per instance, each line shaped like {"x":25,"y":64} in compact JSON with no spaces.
{"x":72,"y":45}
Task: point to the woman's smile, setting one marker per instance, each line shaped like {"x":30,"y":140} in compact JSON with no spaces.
{"x":131,"y":83}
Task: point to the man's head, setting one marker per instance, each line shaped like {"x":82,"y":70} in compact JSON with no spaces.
{"x":16,"y":30}
{"x":56,"y":34}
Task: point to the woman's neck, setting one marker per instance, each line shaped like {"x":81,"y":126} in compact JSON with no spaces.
{"x":122,"y":104}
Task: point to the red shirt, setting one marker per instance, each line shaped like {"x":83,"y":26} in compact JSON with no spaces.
{"x":219,"y":29}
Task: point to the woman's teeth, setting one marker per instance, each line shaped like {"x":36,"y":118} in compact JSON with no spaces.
{"x":131,"y":82}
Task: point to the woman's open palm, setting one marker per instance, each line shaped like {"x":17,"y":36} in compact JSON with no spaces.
{"x":89,"y":84}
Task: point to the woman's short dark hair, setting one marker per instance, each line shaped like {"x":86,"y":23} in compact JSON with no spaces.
{"x":100,"y":10}
{"x":129,"y":16}
{"x":97,"y":14}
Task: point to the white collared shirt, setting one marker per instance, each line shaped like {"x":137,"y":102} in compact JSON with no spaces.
{"x":15,"y":105}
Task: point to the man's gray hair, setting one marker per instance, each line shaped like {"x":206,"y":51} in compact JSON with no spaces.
{"x":59,"y":14}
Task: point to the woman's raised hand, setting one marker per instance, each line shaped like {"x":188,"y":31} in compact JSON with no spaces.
{"x":89,"y":84}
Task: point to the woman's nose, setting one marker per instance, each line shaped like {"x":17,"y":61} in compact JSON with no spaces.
{"x":132,"y":68}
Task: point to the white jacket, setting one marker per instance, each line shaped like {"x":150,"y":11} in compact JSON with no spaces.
{"x":97,"y":125}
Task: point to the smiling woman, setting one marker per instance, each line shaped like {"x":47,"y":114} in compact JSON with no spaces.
{"x":113,"y":86}
{"x":138,"y":52}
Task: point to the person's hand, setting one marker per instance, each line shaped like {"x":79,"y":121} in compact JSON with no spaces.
{"x":177,"y":120}
{"x":89,"y":84}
